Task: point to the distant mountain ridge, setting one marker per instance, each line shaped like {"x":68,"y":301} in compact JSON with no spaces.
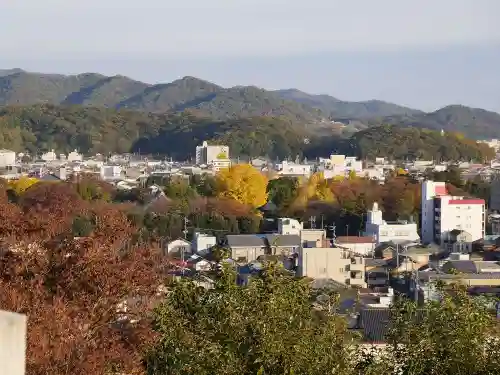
{"x":206,"y":99}
{"x":475,"y":123}
{"x":338,"y":108}
{"x":19,"y":87}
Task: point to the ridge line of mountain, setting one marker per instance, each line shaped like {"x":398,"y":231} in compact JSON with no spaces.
{"x":206,"y":99}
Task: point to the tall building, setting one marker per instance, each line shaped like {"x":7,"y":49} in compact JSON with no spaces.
{"x":210,"y":154}
{"x":443,"y":213}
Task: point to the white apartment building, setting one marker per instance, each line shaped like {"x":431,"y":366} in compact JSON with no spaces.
{"x":443,"y":213}
{"x":75,"y":156}
{"x":49,"y":156}
{"x":7,"y":158}
{"x":383,"y":231}
{"x":110,"y":172}
{"x":340,"y":165}
{"x":286,"y":168}
{"x":208,"y":154}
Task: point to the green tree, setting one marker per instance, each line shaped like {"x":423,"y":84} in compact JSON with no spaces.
{"x":456,"y":335}
{"x":179,"y":190}
{"x":282,"y":191}
{"x":205,"y":185}
{"x":267,"y":327}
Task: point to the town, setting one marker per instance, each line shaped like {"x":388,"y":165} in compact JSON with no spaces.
{"x":442,"y":240}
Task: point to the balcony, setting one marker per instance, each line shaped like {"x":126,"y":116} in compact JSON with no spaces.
{"x":359,"y":267}
{"x":356,"y":281}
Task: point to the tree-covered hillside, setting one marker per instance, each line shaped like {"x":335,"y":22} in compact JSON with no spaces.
{"x":336,"y":108}
{"x":93,"y":129}
{"x":206,"y":99}
{"x":411,"y":143}
{"x":102,"y":130}
{"x":474,"y":123}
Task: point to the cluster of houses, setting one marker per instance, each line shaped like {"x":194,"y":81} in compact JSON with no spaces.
{"x":128,"y":170}
{"x":388,"y":258}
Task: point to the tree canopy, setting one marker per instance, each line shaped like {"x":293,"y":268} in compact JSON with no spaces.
{"x":244,"y":184}
{"x":265,"y":328}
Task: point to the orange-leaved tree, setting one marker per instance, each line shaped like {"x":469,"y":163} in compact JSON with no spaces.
{"x":87,"y":300}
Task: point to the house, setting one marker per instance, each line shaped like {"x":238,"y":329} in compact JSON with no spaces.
{"x":471,"y":267}
{"x":335,"y":263}
{"x":283,"y":244}
{"x":362,"y":245}
{"x":202,"y":242}
{"x":460,"y":241}
{"x":179,"y":247}
{"x":246,"y":248}
{"x":199,"y":264}
{"x":377,"y":272}
{"x":383,"y":231}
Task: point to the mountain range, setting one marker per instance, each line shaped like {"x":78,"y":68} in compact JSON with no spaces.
{"x":208,"y":100}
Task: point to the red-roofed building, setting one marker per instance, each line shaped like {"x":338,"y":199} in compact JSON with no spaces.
{"x":443,"y":213}
{"x":440,"y":190}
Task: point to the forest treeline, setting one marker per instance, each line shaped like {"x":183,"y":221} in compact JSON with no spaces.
{"x":92,"y":130}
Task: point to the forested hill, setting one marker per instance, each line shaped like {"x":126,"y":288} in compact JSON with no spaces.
{"x":474,"y":123}
{"x":99,"y":130}
{"x":400,"y":143}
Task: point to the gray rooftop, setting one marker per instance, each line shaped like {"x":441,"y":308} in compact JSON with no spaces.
{"x":285,"y":240}
{"x":263,"y":240}
{"x":245,"y":240}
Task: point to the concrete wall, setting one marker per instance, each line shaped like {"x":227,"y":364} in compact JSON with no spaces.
{"x":12,"y":343}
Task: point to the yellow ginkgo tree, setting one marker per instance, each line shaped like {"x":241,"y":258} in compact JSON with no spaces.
{"x":244,"y":184}
{"x":22,"y":184}
{"x":315,"y":188}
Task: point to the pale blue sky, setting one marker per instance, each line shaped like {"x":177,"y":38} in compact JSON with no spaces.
{"x":421,"y":53}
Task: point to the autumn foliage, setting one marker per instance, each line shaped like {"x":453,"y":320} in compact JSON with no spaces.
{"x":73,"y":289}
{"x":242,"y":183}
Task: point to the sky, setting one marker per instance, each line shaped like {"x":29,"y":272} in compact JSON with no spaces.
{"x":420,"y":53}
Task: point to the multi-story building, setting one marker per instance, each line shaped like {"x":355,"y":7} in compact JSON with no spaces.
{"x":340,"y":165}
{"x":443,"y":213}
{"x":384,"y":231}
{"x":331,"y":263}
{"x":209,"y":154}
{"x":286,"y":168}
{"x":7,"y":158}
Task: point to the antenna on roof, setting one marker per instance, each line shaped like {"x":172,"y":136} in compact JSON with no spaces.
{"x":312,"y":221}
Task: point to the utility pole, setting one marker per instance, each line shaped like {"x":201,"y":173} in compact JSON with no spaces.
{"x":184,"y":231}
{"x":397,"y":257}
